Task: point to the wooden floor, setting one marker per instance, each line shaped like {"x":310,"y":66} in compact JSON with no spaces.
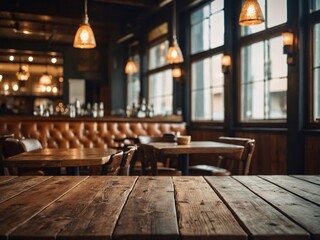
{"x":105,"y":207}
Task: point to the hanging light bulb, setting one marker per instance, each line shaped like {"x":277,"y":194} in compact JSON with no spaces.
{"x":23,"y":73}
{"x":174,"y":54}
{"x":46,"y":78}
{"x":131,"y":67}
{"x":84,"y":37}
{"x":251,"y":13}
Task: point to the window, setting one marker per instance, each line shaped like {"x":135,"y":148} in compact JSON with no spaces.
{"x":207,"y":27}
{"x":207,"y":89}
{"x":274,"y":12}
{"x":133,"y":85}
{"x":264,"y":81}
{"x":315,"y":5}
{"x":160,"y":80}
{"x":207,"y":80}
{"x":316,"y":71}
{"x":160,"y":92}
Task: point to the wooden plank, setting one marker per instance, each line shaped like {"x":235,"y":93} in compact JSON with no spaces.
{"x":89,"y":211}
{"x":310,"y":178}
{"x":261,"y":220}
{"x":23,"y":207}
{"x":149,"y":212}
{"x":6,"y":178}
{"x":16,"y":186}
{"x":300,"y":210}
{"x":302,"y":188}
{"x":201,"y":213}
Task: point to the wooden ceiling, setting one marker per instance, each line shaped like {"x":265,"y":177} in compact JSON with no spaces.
{"x":58,"y":20}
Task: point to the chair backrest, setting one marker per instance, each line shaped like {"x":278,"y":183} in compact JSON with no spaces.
{"x":243,"y":164}
{"x":112,"y":167}
{"x":149,"y":159}
{"x":30,"y":144}
{"x":126,"y":160}
{"x":11,"y":147}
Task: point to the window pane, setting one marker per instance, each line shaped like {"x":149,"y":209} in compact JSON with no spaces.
{"x":207,"y":89}
{"x":315,"y":5}
{"x":199,"y":15}
{"x":160,"y":92}
{"x":316,"y":71}
{"x":253,"y":62}
{"x":200,"y":37}
{"x":217,"y":29}
{"x":277,"y":65}
{"x":277,"y":12}
{"x":264,"y":81}
{"x":216,"y":6}
{"x":157,"y":55}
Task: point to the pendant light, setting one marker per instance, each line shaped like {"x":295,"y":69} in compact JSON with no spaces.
{"x":23,"y":74}
{"x":174,"y":54}
{"x":46,"y":78}
{"x":131,"y":66}
{"x":251,"y":13}
{"x":84,"y":37}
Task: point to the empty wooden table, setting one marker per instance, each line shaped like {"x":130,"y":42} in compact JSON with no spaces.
{"x":72,"y":158}
{"x":113,"y":207}
{"x":172,"y":148}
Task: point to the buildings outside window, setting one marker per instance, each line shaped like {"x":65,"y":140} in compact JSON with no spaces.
{"x":207,"y":80}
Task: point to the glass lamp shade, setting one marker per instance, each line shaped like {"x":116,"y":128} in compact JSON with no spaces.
{"x":45,"y":79}
{"x":174,"y":54}
{"x":131,"y":67}
{"x":84,"y":37}
{"x":251,"y":13}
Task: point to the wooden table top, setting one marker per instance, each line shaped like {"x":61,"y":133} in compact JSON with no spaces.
{"x":196,"y":147}
{"x":113,"y":207}
{"x":68,"y":157}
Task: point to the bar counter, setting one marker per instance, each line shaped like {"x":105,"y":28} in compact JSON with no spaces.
{"x":105,"y":207}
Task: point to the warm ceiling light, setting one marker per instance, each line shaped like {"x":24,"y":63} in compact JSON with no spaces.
{"x":45,"y":79}
{"x":1,"y":77}
{"x":174,"y":54}
{"x":30,"y":59}
{"x":53,"y":60}
{"x":11,"y":58}
{"x":23,"y":73}
{"x":176,"y":72}
{"x":84,"y":37}
{"x":15,"y":87}
{"x":251,"y":13}
{"x":131,"y":67}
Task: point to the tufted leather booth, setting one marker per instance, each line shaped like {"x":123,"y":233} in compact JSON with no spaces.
{"x":89,"y":133}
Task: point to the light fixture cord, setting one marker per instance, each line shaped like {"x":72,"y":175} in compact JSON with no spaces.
{"x":174,"y":20}
{"x":85,"y":8}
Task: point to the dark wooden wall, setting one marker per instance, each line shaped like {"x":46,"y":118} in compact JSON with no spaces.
{"x":270,"y":156}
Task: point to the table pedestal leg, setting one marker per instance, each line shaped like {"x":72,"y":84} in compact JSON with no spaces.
{"x":184,"y":164}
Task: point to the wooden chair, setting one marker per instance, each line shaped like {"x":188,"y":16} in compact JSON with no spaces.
{"x":113,"y":166}
{"x":151,"y":163}
{"x":128,"y":155}
{"x":228,"y":164}
{"x":14,"y":146}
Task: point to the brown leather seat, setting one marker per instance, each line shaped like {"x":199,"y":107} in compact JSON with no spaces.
{"x":228,"y":164}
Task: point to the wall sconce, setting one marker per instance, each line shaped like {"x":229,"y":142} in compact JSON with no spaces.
{"x":176,"y":72}
{"x":226,"y":63}
{"x":288,"y":39}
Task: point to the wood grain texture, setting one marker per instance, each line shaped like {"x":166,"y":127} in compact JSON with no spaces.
{"x":201,"y":212}
{"x":90,"y":210}
{"x":310,"y":178}
{"x":69,"y":157}
{"x":301,"y":188}
{"x":260,"y":219}
{"x":16,"y":186}
{"x":149,"y":212}
{"x":6,"y":178}
{"x":301,"y":211}
{"x":23,"y":207}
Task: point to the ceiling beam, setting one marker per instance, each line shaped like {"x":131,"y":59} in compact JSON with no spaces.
{"x":137,"y":3}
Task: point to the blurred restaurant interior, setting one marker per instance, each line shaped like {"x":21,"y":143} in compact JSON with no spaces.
{"x":225,"y":76}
